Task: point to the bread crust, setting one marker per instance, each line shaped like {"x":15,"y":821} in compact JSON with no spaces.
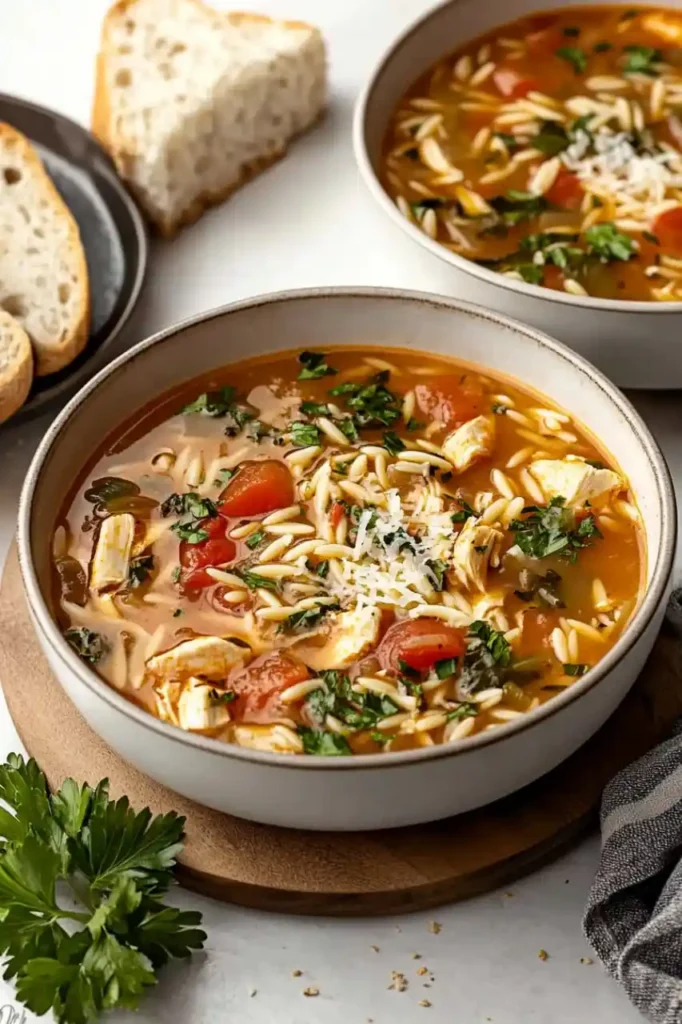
{"x":103,"y":129}
{"x":15,"y":379}
{"x":54,"y":357}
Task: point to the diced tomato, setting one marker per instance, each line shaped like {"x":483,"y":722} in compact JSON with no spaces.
{"x":336,"y":514}
{"x":451,"y":399}
{"x":258,"y":686}
{"x":258,"y":487}
{"x":566,"y":192}
{"x":512,"y":85}
{"x":217,"y":549}
{"x":668,"y":229}
{"x":420,"y":643}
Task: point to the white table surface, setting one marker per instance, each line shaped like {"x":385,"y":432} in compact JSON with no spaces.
{"x":309,"y":221}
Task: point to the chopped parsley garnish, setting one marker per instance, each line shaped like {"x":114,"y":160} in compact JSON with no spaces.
{"x":90,"y":646}
{"x":192,"y":509}
{"x":356,"y":710}
{"x":314,"y":366}
{"x":465,"y":710}
{"x":223,"y":477}
{"x":531,"y":273}
{"x":177,"y":613}
{"x":306,"y":619}
{"x":640,"y":59}
{"x":602,"y":47}
{"x":446,"y":668}
{"x":323,"y":743}
{"x":315,"y":409}
{"x":221,"y":404}
{"x":543,"y":588}
{"x":406,"y":669}
{"x":651,"y":237}
{"x":608,"y":243}
{"x":413,"y":424}
{"x":575,"y":669}
{"x":254,"y":581}
{"x":103,"y":492}
{"x":575,"y":56}
{"x":392,"y":442}
{"x":255,"y":539}
{"x":465,"y":512}
{"x":436,"y":572}
{"x":347,"y":426}
{"x":553,"y":529}
{"x":222,"y":696}
{"x":140,"y":570}
{"x":516,"y":206}
{"x":481,"y":548}
{"x":486,"y":658}
{"x":320,"y":568}
{"x":176,"y":574}
{"x":572,"y":31}
{"x":373,"y":405}
{"x":551,"y":139}
{"x":304,"y":434}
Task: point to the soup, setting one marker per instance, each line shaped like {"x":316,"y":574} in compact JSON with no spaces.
{"x":335,"y":553}
{"x":549,"y":150}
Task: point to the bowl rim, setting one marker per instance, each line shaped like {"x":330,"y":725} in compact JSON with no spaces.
{"x":371,"y":179}
{"x":83,"y":674}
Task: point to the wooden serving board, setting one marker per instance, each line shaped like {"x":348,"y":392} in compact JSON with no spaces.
{"x":342,"y":873}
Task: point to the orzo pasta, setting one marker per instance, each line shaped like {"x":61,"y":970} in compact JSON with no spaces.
{"x":339,"y":553}
{"x":550,"y":150}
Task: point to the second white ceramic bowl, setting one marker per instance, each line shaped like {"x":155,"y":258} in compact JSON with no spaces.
{"x":370,"y":791}
{"x":637,"y":344}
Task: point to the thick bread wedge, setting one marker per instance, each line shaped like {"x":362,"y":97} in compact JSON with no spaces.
{"x":16,"y":366}
{"x":43,"y":274}
{"x":191,"y":102}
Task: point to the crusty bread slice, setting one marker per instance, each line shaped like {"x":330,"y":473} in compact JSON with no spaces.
{"x":16,"y":365}
{"x":192,"y":102}
{"x":43,"y":274}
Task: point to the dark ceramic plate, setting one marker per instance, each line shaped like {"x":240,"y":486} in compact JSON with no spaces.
{"x":112,"y":231}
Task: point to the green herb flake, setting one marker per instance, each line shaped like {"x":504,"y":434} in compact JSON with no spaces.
{"x":255,"y":539}
{"x":322,"y":743}
{"x":175,"y":575}
{"x":413,"y":424}
{"x":314,"y":366}
{"x":510,"y":141}
{"x":446,"y":668}
{"x":192,"y":509}
{"x":651,"y":237}
{"x":516,"y":206}
{"x":553,"y":529}
{"x":177,"y":613}
{"x":304,"y":434}
{"x":306,"y":619}
{"x":551,"y":138}
{"x":372,"y":404}
{"x":223,"y":476}
{"x":221,"y":404}
{"x":314,"y":409}
{"x":88,"y":645}
{"x":572,"y":31}
{"x":465,"y":710}
{"x":222,"y":696}
{"x":486,"y":659}
{"x":602,"y":47}
{"x":140,"y":570}
{"x":465,"y":512}
{"x":640,"y":59}
{"x":254,"y":581}
{"x":575,"y":56}
{"x":608,"y":243}
{"x":575,"y":669}
{"x":392,"y":442}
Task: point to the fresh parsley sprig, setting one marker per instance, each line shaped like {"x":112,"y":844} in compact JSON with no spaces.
{"x":117,"y":863}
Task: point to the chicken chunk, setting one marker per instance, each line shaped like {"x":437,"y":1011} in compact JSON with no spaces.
{"x":574,"y":481}
{"x":474,"y":547}
{"x":198,"y":710}
{"x":474,"y":440}
{"x":111,"y":559}
{"x":664,"y":24}
{"x":210,"y":657}
{"x":351,"y":635}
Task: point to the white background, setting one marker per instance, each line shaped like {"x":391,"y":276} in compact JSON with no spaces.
{"x":308,"y":221}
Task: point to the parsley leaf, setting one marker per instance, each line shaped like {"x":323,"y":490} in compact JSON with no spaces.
{"x":517,"y":206}
{"x":306,"y":619}
{"x":465,"y":710}
{"x":117,"y":864}
{"x":392,"y":442}
{"x":551,"y":139}
{"x":575,"y":669}
{"x":255,"y":539}
{"x":465,"y":512}
{"x":510,"y":141}
{"x":90,"y":646}
{"x":373,"y":404}
{"x":221,"y":404}
{"x":102,"y":493}
{"x":608,"y":243}
{"x":254,"y":581}
{"x":304,"y":434}
{"x":553,"y":530}
{"x":314,"y":366}
{"x":446,"y":668}
{"x":485,"y":660}
{"x":140,"y":570}
{"x":602,"y":47}
{"x":651,"y":237}
{"x":192,"y":509}
{"x":222,"y":696}
{"x":641,"y":58}
{"x":314,"y":409}
{"x":572,"y":31}
{"x":575,"y":56}
{"x":323,"y":743}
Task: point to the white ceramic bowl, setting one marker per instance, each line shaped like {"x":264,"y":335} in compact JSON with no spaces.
{"x":636,"y":343}
{"x":366,"y":791}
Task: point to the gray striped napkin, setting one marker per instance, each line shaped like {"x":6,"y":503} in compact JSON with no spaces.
{"x":633,"y":917}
